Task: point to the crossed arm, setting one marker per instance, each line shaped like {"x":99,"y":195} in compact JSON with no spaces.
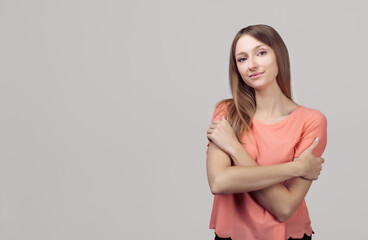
{"x":263,"y":181}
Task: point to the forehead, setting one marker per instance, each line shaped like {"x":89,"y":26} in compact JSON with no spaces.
{"x":247,"y":44}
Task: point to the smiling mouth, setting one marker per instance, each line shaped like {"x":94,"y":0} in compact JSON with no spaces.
{"x":255,"y":74}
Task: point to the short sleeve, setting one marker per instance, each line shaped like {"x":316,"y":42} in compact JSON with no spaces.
{"x":315,"y":126}
{"x":220,"y":110}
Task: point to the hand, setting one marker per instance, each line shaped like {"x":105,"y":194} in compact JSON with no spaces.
{"x":223,"y":135}
{"x":311,"y":165}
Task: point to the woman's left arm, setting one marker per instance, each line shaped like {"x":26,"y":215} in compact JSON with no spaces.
{"x":284,"y":200}
{"x":281,"y":200}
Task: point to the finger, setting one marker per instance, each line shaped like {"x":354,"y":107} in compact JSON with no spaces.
{"x":218,"y":122}
{"x":223,"y":118}
{"x":212,"y":126}
{"x":215,"y":125}
{"x":209,"y":137}
{"x":314,"y":144}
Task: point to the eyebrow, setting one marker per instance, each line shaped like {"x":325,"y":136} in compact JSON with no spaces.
{"x":262,"y":45}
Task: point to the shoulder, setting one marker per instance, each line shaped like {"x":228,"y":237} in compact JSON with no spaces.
{"x":313,"y":118}
{"x":313,"y":124}
{"x":221,"y":108}
{"x":312,"y":115}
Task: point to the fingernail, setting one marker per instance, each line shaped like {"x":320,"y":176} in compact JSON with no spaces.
{"x":317,"y":139}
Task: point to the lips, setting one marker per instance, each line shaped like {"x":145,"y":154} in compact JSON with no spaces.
{"x":255,"y":74}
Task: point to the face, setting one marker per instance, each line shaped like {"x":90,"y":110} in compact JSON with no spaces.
{"x":256,"y":62}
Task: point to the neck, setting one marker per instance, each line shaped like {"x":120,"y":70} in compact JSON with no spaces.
{"x":272,"y":102}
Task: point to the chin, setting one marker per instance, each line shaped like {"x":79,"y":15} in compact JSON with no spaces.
{"x":258,"y":85}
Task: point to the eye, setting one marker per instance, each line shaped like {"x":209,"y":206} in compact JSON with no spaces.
{"x":242,"y":59}
{"x":261,"y":53}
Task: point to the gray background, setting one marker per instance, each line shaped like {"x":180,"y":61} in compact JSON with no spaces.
{"x":105,"y":105}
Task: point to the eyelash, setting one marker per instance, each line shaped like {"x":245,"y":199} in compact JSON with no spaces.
{"x":243,"y":58}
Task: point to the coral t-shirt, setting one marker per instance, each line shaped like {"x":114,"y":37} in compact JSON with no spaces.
{"x":239,"y":216}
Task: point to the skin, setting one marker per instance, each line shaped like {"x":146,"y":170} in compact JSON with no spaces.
{"x":272,"y":106}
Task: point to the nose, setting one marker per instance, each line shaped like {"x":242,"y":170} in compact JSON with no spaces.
{"x":252,"y":65}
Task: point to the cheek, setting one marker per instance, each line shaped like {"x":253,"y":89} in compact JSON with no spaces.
{"x":272,"y":66}
{"x":242,"y":70}
{"x":275,"y":70}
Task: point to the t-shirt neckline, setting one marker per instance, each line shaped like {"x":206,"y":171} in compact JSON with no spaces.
{"x":282,"y":121}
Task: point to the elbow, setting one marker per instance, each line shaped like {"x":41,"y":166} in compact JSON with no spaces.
{"x":284,"y":214}
{"x":217,"y":187}
{"x":282,"y":218}
{"x":215,"y":191}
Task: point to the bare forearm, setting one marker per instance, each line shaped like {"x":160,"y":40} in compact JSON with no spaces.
{"x":241,"y":157}
{"x":224,"y":178}
{"x":239,"y":179}
{"x":280,"y":200}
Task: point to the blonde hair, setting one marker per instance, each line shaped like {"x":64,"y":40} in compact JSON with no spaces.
{"x":242,"y":106}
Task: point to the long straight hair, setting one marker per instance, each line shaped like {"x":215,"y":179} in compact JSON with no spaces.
{"x":242,"y":106}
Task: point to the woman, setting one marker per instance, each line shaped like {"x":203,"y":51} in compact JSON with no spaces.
{"x":264,"y":150}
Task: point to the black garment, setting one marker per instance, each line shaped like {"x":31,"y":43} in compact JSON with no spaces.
{"x":218,"y":238}
{"x":305,"y":237}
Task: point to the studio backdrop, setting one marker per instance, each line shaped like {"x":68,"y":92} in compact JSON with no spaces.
{"x":104,"y":107}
